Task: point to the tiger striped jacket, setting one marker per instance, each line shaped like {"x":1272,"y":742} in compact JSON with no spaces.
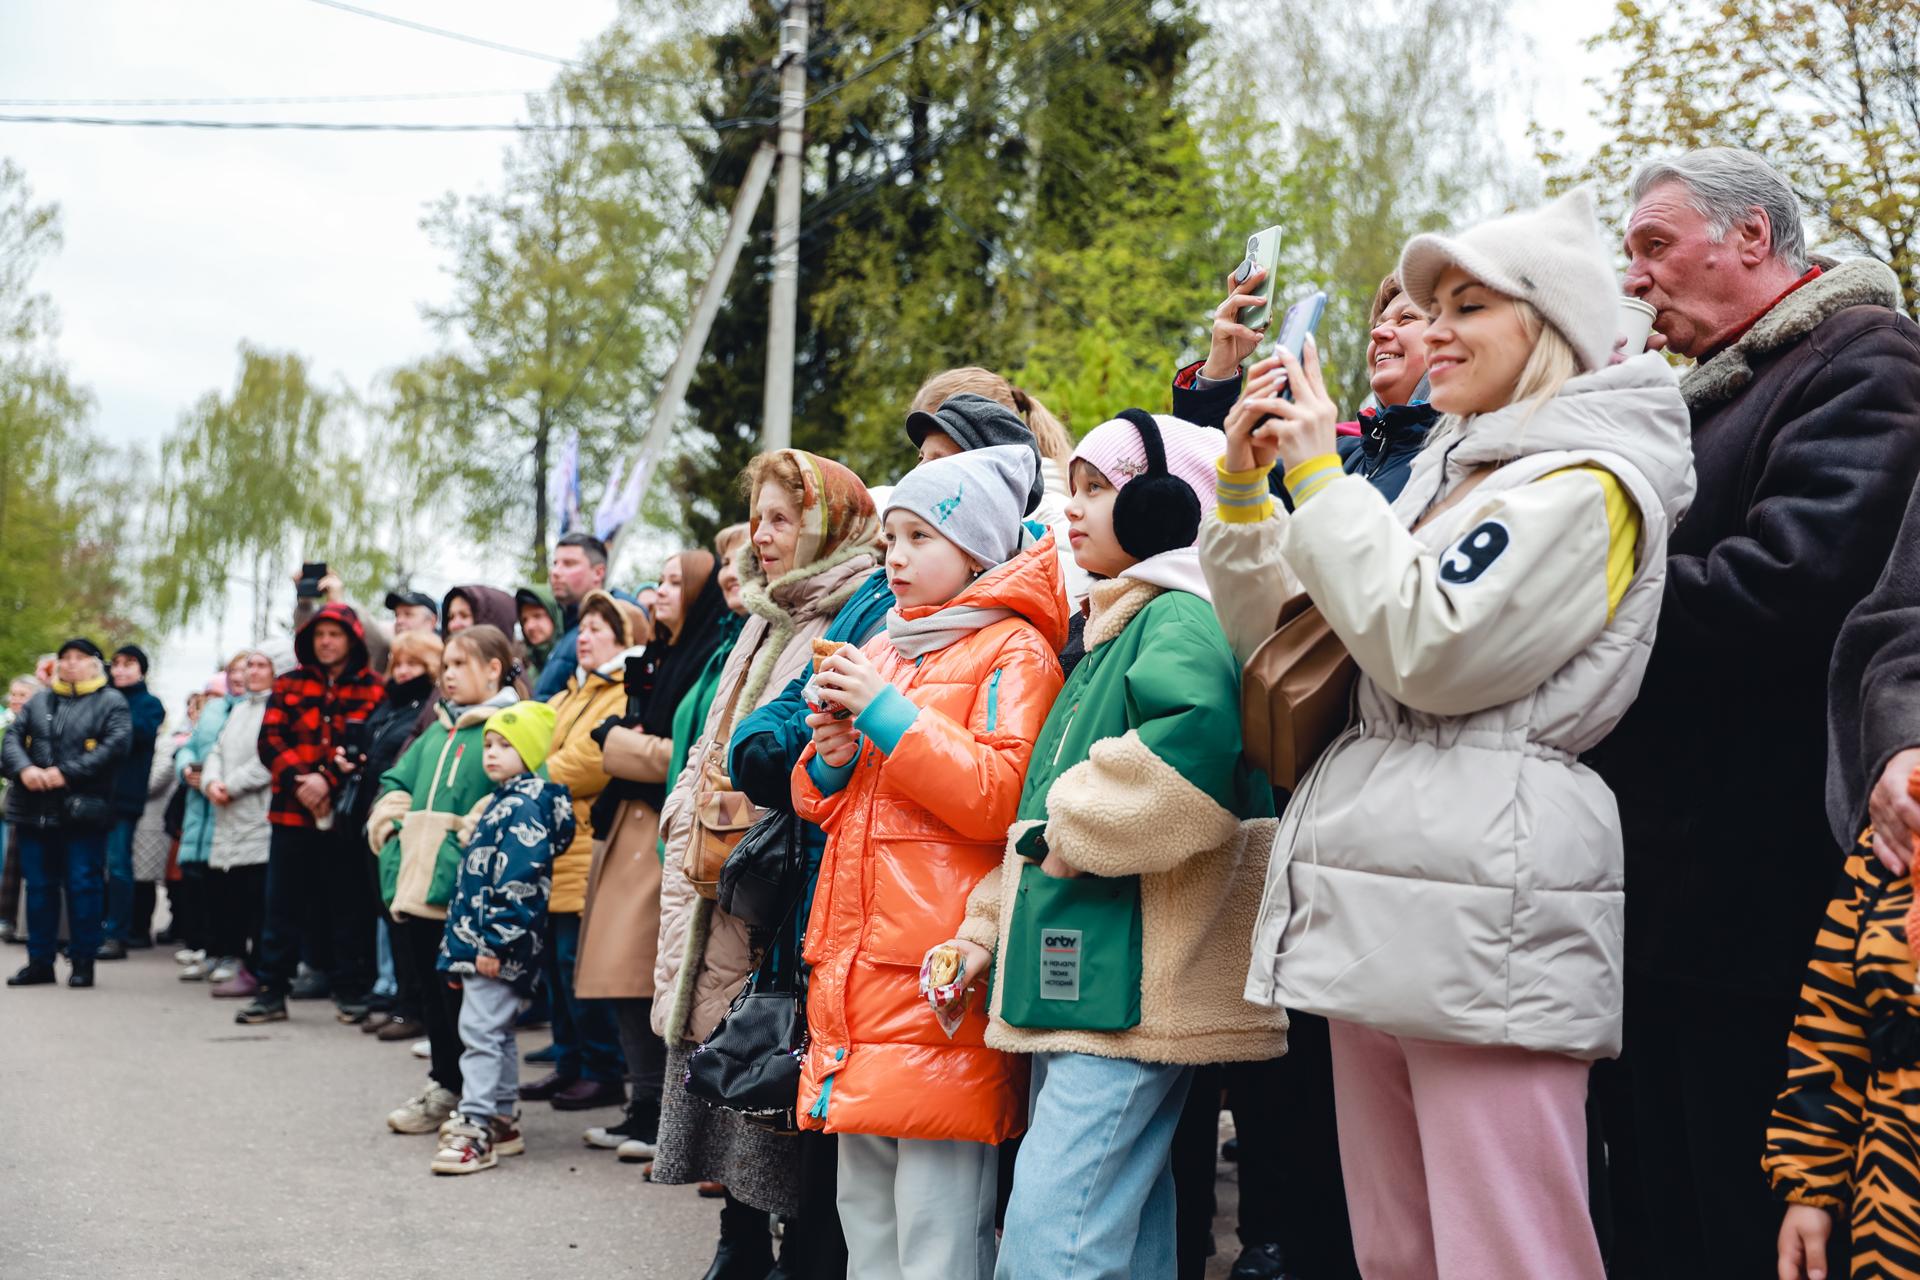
{"x":1845,"y":1131}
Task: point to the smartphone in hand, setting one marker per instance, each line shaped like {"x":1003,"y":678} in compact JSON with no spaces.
{"x":1263,"y":254}
{"x":1302,"y":318}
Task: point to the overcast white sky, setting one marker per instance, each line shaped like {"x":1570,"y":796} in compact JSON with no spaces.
{"x":179,"y":243}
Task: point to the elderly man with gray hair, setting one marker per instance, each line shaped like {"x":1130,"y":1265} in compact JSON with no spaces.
{"x":1805,"y":401}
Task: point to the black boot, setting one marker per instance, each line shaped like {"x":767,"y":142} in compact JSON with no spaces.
{"x":82,"y":975}
{"x":746,"y":1246}
{"x":36,"y":973}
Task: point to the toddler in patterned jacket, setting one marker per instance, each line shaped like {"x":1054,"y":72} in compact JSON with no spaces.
{"x":497,"y":932}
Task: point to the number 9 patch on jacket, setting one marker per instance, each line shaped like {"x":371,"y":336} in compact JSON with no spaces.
{"x":1475,"y":553}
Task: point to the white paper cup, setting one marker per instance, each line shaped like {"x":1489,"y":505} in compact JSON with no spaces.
{"x":1636,"y":324}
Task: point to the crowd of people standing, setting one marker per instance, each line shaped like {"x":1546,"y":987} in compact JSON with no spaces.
{"x":900,"y":867}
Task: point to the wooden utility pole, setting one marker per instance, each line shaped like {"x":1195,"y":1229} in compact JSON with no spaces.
{"x":776,"y":428}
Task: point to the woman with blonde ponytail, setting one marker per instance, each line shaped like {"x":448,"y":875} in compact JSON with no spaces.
{"x":1050,"y":435}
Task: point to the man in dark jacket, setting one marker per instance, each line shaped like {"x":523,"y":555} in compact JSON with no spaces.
{"x":1806,"y":442}
{"x":579,"y":568}
{"x":128,"y":672}
{"x":316,"y":872}
{"x":1873,"y":708}
{"x":59,"y":755}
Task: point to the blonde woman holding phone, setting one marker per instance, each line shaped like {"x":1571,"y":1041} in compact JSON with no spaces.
{"x":1447,"y":886}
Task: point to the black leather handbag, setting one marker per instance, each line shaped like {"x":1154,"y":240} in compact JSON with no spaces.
{"x":86,"y":813}
{"x":750,"y":1065}
{"x":762,"y":879}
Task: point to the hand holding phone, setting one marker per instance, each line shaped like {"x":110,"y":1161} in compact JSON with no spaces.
{"x":1302,"y":318}
{"x":1263,"y":255}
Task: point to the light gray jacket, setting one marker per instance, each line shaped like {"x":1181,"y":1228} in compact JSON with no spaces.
{"x":240,"y":828}
{"x":1449,"y":870}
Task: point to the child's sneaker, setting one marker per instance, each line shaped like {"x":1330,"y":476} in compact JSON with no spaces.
{"x":423,"y":1112}
{"x":476,"y":1143}
{"x":188,"y":955}
{"x":195,"y":971}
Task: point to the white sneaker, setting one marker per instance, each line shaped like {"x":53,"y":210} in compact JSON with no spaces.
{"x":224,"y":969}
{"x":185,"y":956}
{"x":423,"y":1048}
{"x":195,"y":972}
{"x":634,"y":1151}
{"x":424,"y":1113}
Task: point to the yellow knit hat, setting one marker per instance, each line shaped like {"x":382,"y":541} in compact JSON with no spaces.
{"x":529,"y":727}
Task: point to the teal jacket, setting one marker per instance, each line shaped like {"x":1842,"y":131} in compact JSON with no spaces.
{"x":196,"y":823}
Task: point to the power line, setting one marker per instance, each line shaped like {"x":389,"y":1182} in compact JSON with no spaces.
{"x":392,"y":126}
{"x":268,"y":102}
{"x":495,"y":45}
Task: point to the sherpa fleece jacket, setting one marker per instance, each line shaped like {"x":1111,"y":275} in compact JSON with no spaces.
{"x":1138,"y":771}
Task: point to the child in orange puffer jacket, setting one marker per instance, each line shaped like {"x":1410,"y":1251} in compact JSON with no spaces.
{"x":916,"y":790}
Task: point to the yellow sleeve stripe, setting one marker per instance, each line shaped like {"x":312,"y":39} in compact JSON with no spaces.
{"x":1623,"y":532}
{"x":1311,"y":476}
{"x":1242,"y":495}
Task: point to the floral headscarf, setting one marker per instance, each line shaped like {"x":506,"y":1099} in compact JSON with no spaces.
{"x":835,"y":509}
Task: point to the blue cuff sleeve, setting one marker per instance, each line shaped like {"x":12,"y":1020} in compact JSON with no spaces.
{"x":828,"y":778}
{"x":887,"y":719}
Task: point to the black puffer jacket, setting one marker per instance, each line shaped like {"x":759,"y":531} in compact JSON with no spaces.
{"x":1806,"y":442}
{"x":83,"y":730}
{"x":393,"y":723}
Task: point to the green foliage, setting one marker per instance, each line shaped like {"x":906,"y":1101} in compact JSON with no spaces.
{"x":1827,"y":90}
{"x":61,"y":494}
{"x":253,"y":481}
{"x":569,"y":288}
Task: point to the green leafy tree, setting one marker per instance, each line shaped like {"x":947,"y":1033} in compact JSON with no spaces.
{"x":253,"y":481}
{"x":1827,"y":90}
{"x":569,"y":288}
{"x":62,"y":495}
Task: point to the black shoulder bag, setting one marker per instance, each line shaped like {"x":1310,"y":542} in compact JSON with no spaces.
{"x":763,"y":878}
{"x":750,"y":1065}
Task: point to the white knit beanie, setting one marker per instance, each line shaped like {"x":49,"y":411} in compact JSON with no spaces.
{"x":974,"y":499}
{"x":1551,"y":257}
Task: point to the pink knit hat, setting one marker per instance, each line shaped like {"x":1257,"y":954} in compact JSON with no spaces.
{"x":1192,"y":454}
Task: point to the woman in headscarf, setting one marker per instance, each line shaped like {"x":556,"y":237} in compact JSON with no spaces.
{"x":812,"y":549}
{"x":620,"y":931}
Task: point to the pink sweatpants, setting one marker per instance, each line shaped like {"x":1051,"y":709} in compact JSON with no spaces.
{"x":1462,"y":1161}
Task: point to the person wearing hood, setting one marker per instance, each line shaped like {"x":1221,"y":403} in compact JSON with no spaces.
{"x":620,"y":927}
{"x":128,"y":671}
{"x":414,"y":831}
{"x":477,"y":605}
{"x":187,"y":897}
{"x":809,"y":559}
{"x":1447,"y":884}
{"x":316,"y":881}
{"x":587,"y":1068}
{"x":59,"y":757}
{"x":236,"y":785}
{"x":541,"y":626}
{"x":921,"y":744}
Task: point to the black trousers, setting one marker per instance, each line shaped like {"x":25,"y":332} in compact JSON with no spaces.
{"x":645,"y":1053}
{"x":1685,"y":1115}
{"x":416,"y":951}
{"x":236,"y":901}
{"x":10,"y":882}
{"x":316,"y":894}
{"x":187,"y":904}
{"x":1291,"y":1193}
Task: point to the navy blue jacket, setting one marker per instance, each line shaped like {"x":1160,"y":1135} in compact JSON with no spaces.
{"x":130,"y":778}
{"x":499,"y":903}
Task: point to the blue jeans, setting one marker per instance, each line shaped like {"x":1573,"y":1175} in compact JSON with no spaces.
{"x":119,"y":914}
{"x":584,"y":1031}
{"x":385,"y":983}
{"x":52,"y":861}
{"x":1093,"y":1184}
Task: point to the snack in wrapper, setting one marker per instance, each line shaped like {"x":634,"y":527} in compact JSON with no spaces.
{"x":941,"y":982}
{"x":814,"y":697}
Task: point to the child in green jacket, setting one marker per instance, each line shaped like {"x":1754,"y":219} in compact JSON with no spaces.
{"x":1122,"y":916}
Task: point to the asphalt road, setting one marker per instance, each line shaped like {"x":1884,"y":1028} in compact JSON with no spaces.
{"x":144,"y":1134}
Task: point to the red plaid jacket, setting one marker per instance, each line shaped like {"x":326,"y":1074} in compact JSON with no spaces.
{"x":308,"y":713}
